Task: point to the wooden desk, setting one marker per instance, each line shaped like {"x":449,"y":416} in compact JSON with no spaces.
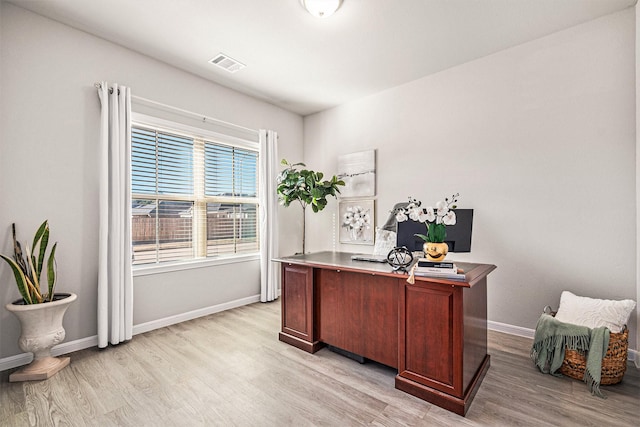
{"x":433,"y":332}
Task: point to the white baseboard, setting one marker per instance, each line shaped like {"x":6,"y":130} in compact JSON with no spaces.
{"x":183,"y":317}
{"x":64,"y":348}
{"x":510,"y":329}
{"x":80,"y":344}
{"x":632,"y":355}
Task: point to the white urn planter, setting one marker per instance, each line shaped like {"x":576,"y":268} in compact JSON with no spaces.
{"x":41,"y":330}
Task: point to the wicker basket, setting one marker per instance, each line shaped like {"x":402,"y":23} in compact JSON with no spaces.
{"x":614,"y":363}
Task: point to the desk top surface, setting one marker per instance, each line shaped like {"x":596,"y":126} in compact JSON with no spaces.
{"x":342,"y":261}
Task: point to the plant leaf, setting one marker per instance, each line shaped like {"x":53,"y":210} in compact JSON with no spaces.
{"x":317,"y":192}
{"x":422,"y":236}
{"x":32,"y":279}
{"x":18,"y":256}
{"x":39,"y":233}
{"x":20,"y":279}
{"x":51,"y":271}
{"x":35,"y":295}
{"x":436,"y":232}
{"x":44,"y":242}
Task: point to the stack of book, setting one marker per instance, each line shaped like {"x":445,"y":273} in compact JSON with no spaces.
{"x":440,"y":269}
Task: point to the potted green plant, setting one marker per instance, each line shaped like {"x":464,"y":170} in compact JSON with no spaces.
{"x":436,"y":219}
{"x":307,"y":187}
{"x":40,"y":313}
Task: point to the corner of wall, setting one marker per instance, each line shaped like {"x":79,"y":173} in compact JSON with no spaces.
{"x":637,"y":50}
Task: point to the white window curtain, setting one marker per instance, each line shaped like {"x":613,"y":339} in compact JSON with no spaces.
{"x":269,"y":270}
{"x":115,"y":281}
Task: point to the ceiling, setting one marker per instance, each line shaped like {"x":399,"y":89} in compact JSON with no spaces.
{"x":306,"y":64}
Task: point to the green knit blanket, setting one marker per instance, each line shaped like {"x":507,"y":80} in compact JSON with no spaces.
{"x":551,"y":338}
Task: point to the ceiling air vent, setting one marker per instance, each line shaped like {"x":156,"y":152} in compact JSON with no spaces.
{"x":225,"y":62}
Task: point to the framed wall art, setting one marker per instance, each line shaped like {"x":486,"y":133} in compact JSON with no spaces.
{"x":357,"y":221}
{"x":358,"y":171}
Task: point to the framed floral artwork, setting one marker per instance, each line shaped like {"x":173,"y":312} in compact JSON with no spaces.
{"x":357,"y":221}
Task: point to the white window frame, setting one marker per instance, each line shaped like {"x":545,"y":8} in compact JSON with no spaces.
{"x":200,"y":134}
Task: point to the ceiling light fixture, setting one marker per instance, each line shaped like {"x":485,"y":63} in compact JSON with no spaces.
{"x":321,"y":8}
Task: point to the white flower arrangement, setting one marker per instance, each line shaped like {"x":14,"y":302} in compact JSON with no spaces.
{"x":356,"y":219}
{"x":436,"y":219}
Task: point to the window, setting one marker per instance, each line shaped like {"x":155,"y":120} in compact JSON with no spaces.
{"x":193,"y":196}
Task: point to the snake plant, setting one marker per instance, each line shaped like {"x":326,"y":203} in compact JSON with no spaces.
{"x":27,"y":267}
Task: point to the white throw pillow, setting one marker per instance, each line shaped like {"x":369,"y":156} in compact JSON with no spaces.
{"x":593,"y":312}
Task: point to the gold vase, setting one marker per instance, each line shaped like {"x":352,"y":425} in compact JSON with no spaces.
{"x":435,"y":251}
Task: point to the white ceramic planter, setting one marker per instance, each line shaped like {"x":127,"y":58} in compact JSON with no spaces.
{"x":41,"y":330}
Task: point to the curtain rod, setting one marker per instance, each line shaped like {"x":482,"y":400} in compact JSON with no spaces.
{"x":171,"y":108}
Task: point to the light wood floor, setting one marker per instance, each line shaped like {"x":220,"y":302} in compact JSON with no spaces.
{"x":229,"y":369}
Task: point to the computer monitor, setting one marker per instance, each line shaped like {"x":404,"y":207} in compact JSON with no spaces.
{"x":458,"y":236}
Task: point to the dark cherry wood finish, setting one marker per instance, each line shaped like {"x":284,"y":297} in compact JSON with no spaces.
{"x":359,"y":313}
{"x":298,"y":326}
{"x":434,"y":331}
{"x":446,"y":365}
{"x":430,"y":358}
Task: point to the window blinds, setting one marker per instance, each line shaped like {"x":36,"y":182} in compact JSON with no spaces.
{"x":230,"y":171}
{"x":161,"y":163}
{"x":191,"y":197}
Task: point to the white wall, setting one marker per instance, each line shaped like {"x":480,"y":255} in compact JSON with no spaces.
{"x":637,"y":46}
{"x":538,"y":139}
{"x":48,"y":163}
